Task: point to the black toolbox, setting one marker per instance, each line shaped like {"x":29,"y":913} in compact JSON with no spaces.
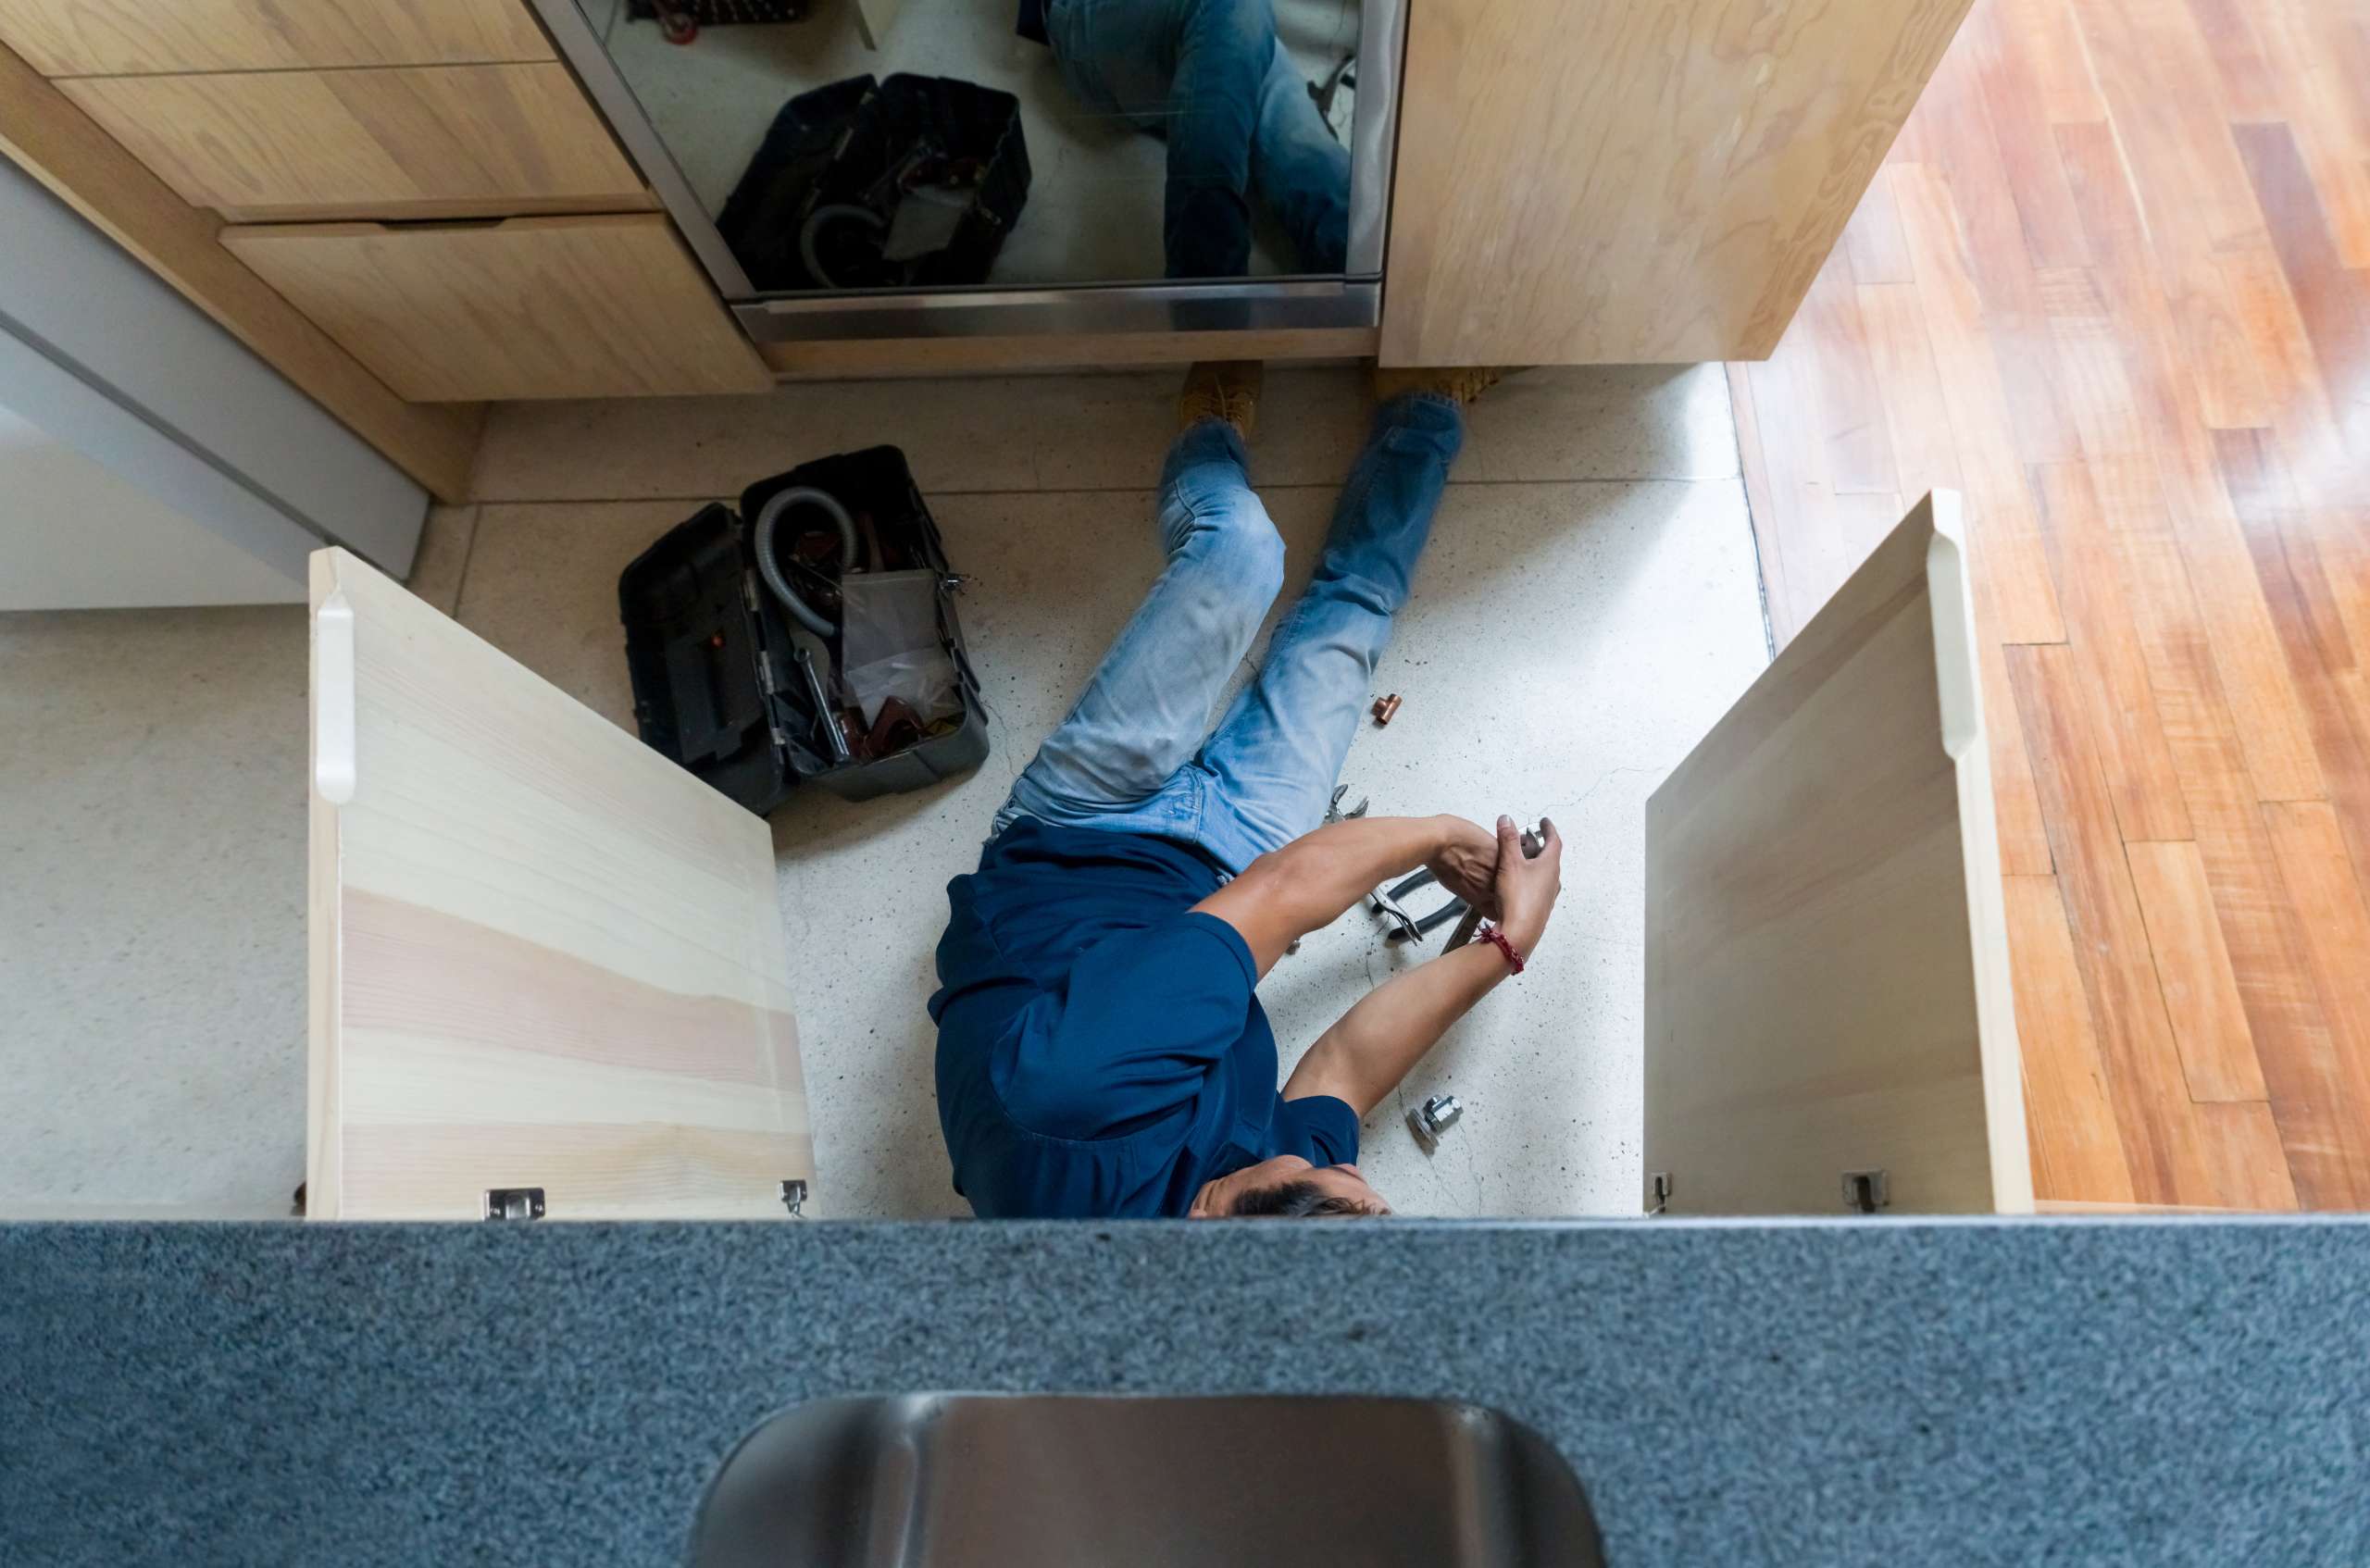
{"x":714,"y":655}
{"x":817,"y":200}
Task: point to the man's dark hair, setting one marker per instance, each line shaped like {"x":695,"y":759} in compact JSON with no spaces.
{"x":1295,"y":1201}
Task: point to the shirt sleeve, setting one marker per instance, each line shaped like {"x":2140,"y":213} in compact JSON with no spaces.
{"x":1319,"y":1129}
{"x":1138,"y":1026}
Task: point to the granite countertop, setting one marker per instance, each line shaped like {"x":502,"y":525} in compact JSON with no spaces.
{"x":1881,"y":1392}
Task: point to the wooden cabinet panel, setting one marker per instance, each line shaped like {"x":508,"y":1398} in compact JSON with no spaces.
{"x":1827,"y":957}
{"x":90,"y":170}
{"x":540,"y":954}
{"x":600,"y":306}
{"x":131,"y":37}
{"x":1635,"y":181}
{"x":438,"y":140}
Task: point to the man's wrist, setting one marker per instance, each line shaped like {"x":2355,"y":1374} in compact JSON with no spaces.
{"x":1451,"y":831}
{"x":1523,"y":934}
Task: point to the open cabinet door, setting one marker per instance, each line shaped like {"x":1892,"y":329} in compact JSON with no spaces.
{"x":1828,"y":1020}
{"x":1635,"y":181}
{"x":543,"y":956}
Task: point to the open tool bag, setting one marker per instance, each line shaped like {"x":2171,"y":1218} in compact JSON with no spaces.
{"x":809,"y":636}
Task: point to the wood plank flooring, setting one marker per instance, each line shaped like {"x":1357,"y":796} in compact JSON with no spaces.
{"x":2113,"y":283}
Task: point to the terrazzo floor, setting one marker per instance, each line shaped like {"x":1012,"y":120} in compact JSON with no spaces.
{"x":1588,"y":607}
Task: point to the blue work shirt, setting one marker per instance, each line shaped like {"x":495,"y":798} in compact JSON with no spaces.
{"x":1100,"y":1048}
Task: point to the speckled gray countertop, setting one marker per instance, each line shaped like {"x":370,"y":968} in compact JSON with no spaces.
{"x":1886,"y":1392}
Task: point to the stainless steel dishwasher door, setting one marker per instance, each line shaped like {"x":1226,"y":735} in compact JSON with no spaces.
{"x":1026,"y":1481}
{"x":1020,"y":307}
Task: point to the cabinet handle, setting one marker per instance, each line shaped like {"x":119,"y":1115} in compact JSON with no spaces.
{"x":333,"y":702}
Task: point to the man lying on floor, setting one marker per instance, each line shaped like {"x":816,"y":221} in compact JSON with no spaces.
{"x":1100,"y":1047}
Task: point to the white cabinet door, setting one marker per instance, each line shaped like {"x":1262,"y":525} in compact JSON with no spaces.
{"x":541,"y":955}
{"x":1827,"y":958}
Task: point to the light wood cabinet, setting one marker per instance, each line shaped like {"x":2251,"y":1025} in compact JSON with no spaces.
{"x":44,"y":134}
{"x":413,"y":142}
{"x":541,"y":955}
{"x":1621,"y":181}
{"x":531,"y":307}
{"x":273,"y":115}
{"x":146,"y":37}
{"x":1827,"y":957}
{"x":1634,"y":180}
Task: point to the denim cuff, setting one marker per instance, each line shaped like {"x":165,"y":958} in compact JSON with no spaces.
{"x":1433,"y":418}
{"x":1206,"y":441}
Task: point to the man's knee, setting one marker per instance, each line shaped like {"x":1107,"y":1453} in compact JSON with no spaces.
{"x":1242,"y":545}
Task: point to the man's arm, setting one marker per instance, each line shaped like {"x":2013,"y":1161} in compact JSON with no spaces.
{"x":1361,"y":1059}
{"x":1310,"y":882}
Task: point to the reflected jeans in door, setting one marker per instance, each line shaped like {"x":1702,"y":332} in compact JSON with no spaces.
{"x":1209,"y":77}
{"x":1132,"y":755}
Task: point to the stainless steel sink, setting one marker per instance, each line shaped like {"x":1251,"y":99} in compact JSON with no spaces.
{"x":1011,"y":1481}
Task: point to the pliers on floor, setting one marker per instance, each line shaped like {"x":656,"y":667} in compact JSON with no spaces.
{"x":1333,"y":814}
{"x":1408,"y":927}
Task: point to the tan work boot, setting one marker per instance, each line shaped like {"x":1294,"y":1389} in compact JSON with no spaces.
{"x":1461,"y":384}
{"x":1222,"y":389}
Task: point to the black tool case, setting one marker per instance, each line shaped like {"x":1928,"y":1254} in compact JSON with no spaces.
{"x":835,"y":149}
{"x":710,"y":649}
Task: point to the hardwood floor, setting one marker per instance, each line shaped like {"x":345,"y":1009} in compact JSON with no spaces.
{"x":2113,"y":283}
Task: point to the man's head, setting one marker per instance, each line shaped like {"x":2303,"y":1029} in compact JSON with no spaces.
{"x":1288,"y":1188}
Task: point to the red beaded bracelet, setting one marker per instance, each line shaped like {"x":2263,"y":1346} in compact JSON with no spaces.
{"x":1514,"y":955}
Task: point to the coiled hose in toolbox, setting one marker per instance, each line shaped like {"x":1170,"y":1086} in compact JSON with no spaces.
{"x":770,"y":570}
{"x":810,"y":233}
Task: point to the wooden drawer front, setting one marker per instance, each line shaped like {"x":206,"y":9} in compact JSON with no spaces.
{"x":606,"y":307}
{"x":417,"y":142}
{"x":132,"y":37}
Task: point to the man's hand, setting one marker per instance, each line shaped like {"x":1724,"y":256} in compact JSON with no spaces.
{"x":1526,"y":888}
{"x":1467,"y":864}
{"x":1309,"y":883}
{"x":1361,"y":1059}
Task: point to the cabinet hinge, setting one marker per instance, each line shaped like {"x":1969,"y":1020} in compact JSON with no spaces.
{"x":1867,"y":1191}
{"x":514,"y":1203}
{"x":793,"y":1198}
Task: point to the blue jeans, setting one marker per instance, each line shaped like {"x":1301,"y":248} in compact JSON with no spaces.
{"x":1209,"y":76}
{"x":1136,"y":754}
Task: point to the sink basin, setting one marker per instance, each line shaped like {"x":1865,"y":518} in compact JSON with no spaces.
{"x":1090,"y":1482}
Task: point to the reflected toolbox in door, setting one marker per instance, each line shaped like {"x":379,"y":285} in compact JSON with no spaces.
{"x":866,"y":146}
